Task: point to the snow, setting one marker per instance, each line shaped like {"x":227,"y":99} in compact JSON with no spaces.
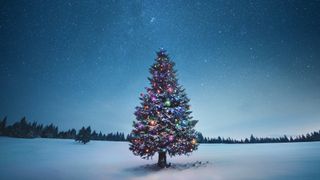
{"x":66,"y":159}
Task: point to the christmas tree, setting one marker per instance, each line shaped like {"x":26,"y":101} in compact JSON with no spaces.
{"x":163,"y":123}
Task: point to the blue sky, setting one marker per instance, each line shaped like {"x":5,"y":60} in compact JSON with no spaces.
{"x":247,"y":66}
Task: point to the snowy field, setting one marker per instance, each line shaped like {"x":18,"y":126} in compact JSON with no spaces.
{"x":66,"y":159}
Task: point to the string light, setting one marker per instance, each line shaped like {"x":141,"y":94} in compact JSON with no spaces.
{"x":140,"y":126}
{"x":152,"y":122}
{"x":167,"y":103}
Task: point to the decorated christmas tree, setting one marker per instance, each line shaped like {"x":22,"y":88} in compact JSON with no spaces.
{"x":163,"y":123}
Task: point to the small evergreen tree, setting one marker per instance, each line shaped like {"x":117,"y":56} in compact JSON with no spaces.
{"x":84,"y":135}
{"x":3,"y":124}
{"x":94,"y":135}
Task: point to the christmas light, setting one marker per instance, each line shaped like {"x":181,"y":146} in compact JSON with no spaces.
{"x":167,"y":103}
{"x":140,"y":126}
{"x":171,"y":138}
{"x":152,"y":122}
{"x":163,"y":122}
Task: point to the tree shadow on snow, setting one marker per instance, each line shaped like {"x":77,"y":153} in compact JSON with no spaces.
{"x":151,"y":168}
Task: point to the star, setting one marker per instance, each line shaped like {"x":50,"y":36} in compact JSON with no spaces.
{"x":152,"y":19}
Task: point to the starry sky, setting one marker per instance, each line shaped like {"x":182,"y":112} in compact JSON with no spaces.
{"x":249,"y":67}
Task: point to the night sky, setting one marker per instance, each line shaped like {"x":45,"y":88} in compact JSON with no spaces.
{"x":249,"y":67}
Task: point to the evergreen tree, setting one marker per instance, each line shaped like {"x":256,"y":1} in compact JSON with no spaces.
{"x":72,"y":134}
{"x":19,"y":129}
{"x":100,"y":136}
{"x":50,"y":131}
{"x":163,"y":122}
{"x":3,"y":124}
{"x":80,"y":134}
{"x":94,"y":135}
{"x":200,"y":138}
{"x":84,"y":135}
{"x":252,"y":139}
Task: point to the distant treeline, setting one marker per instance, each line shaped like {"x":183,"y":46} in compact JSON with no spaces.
{"x":25,"y":129}
{"x":314,"y":136}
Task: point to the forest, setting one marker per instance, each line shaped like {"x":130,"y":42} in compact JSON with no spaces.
{"x":25,"y":129}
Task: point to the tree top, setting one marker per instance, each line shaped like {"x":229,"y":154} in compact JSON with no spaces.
{"x":162,"y":53}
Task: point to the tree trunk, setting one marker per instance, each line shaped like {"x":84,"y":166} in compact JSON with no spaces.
{"x":162,"y":161}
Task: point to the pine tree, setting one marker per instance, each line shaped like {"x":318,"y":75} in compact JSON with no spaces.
{"x":163,"y":123}
{"x":84,"y":135}
{"x":94,"y":135}
{"x":3,"y":124}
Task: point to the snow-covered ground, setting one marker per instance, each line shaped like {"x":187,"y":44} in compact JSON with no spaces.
{"x":66,"y":159}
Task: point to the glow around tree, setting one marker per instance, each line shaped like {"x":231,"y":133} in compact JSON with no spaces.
{"x":163,"y":123}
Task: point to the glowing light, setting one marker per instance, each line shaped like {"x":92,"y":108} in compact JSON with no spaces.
{"x":167,"y":103}
{"x":152,"y":122}
{"x":140,"y":126}
{"x":171,"y":137}
{"x":193,"y":141}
